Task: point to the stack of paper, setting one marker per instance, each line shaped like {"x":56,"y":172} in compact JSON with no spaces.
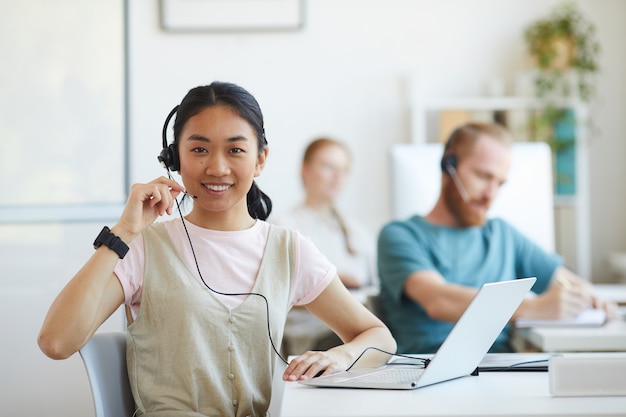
{"x":535,"y":361}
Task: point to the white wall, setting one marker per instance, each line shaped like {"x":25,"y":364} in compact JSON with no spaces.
{"x":608,"y":147}
{"x":344,"y":74}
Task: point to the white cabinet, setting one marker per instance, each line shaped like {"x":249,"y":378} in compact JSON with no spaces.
{"x":572,"y":212}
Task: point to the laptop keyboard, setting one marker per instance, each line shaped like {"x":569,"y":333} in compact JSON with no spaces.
{"x":393,"y":376}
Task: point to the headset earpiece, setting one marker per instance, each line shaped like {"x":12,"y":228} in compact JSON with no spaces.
{"x":447,"y":162}
{"x":448,"y":165}
{"x":169,"y":158}
{"x":169,"y":154}
{"x":449,"y":159}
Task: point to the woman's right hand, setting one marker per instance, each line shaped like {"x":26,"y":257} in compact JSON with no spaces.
{"x":145,"y":203}
{"x":94,"y":293}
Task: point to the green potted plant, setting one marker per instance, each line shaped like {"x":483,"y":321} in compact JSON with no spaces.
{"x":561,"y":44}
{"x":565,"y":51}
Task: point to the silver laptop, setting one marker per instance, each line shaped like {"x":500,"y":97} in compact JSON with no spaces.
{"x":459,"y":355}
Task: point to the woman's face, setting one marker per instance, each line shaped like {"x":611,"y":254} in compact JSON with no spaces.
{"x":219,"y":160}
{"x":324,"y":175}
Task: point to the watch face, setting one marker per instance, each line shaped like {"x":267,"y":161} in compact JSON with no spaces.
{"x":111,"y":241}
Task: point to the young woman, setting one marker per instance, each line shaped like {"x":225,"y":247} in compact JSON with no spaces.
{"x":208,"y":293}
{"x":346,"y":243}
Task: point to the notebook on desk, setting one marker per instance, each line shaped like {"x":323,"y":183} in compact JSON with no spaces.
{"x":459,"y":355}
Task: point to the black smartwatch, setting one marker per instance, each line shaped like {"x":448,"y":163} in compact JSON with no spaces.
{"x":111,"y":241}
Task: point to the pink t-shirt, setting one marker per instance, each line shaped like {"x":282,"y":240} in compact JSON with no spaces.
{"x":228,"y":262}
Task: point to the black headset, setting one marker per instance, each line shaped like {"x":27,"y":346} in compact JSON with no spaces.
{"x":169,"y":155}
{"x":449,"y":160}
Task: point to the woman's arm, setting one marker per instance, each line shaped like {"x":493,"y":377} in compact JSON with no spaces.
{"x":94,"y":293}
{"x":82,"y":306}
{"x":354,"y":324}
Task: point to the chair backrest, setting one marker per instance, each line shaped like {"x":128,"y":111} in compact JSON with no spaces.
{"x":526,"y":200}
{"x":104,"y":357}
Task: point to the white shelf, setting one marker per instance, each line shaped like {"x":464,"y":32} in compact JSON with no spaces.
{"x":493,"y":103}
{"x":565,"y":200}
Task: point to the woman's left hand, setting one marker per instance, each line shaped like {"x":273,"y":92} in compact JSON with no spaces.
{"x":356,"y":326}
{"x":315,"y":363}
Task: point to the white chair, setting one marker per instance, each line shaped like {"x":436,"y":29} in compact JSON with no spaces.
{"x":104,"y":357}
{"x":526,"y":200}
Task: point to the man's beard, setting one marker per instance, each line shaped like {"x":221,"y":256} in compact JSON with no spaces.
{"x":465,"y":216}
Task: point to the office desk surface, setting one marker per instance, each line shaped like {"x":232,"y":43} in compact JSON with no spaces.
{"x":516,"y":394}
{"x":612,"y":292}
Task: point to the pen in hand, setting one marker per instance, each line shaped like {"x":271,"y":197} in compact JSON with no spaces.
{"x":564,"y":281}
{"x":593,"y":300}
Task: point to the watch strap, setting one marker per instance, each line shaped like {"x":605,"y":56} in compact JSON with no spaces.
{"x":108,"y":239}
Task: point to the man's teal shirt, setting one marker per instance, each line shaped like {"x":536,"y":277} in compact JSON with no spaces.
{"x":470,"y":256}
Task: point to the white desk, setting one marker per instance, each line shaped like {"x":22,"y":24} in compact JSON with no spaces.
{"x":612,"y":292}
{"x":610,"y":337}
{"x":516,"y":394}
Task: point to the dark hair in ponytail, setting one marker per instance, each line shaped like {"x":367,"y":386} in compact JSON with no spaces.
{"x":259,"y":203}
{"x":246,"y":106}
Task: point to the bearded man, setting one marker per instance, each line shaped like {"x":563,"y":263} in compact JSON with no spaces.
{"x":430,"y":267}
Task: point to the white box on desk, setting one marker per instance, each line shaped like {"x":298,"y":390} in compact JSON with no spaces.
{"x":587,"y":376}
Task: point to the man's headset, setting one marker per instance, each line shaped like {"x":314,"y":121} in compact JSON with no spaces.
{"x":448,"y":165}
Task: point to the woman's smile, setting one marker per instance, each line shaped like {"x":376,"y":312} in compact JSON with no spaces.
{"x":218,"y":188}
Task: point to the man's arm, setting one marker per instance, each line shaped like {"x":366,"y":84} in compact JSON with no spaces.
{"x":441,"y":300}
{"x":567,"y":295}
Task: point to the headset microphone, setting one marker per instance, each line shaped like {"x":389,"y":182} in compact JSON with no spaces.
{"x":449,"y":164}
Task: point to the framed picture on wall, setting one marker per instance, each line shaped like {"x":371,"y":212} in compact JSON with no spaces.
{"x":231,"y":15}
